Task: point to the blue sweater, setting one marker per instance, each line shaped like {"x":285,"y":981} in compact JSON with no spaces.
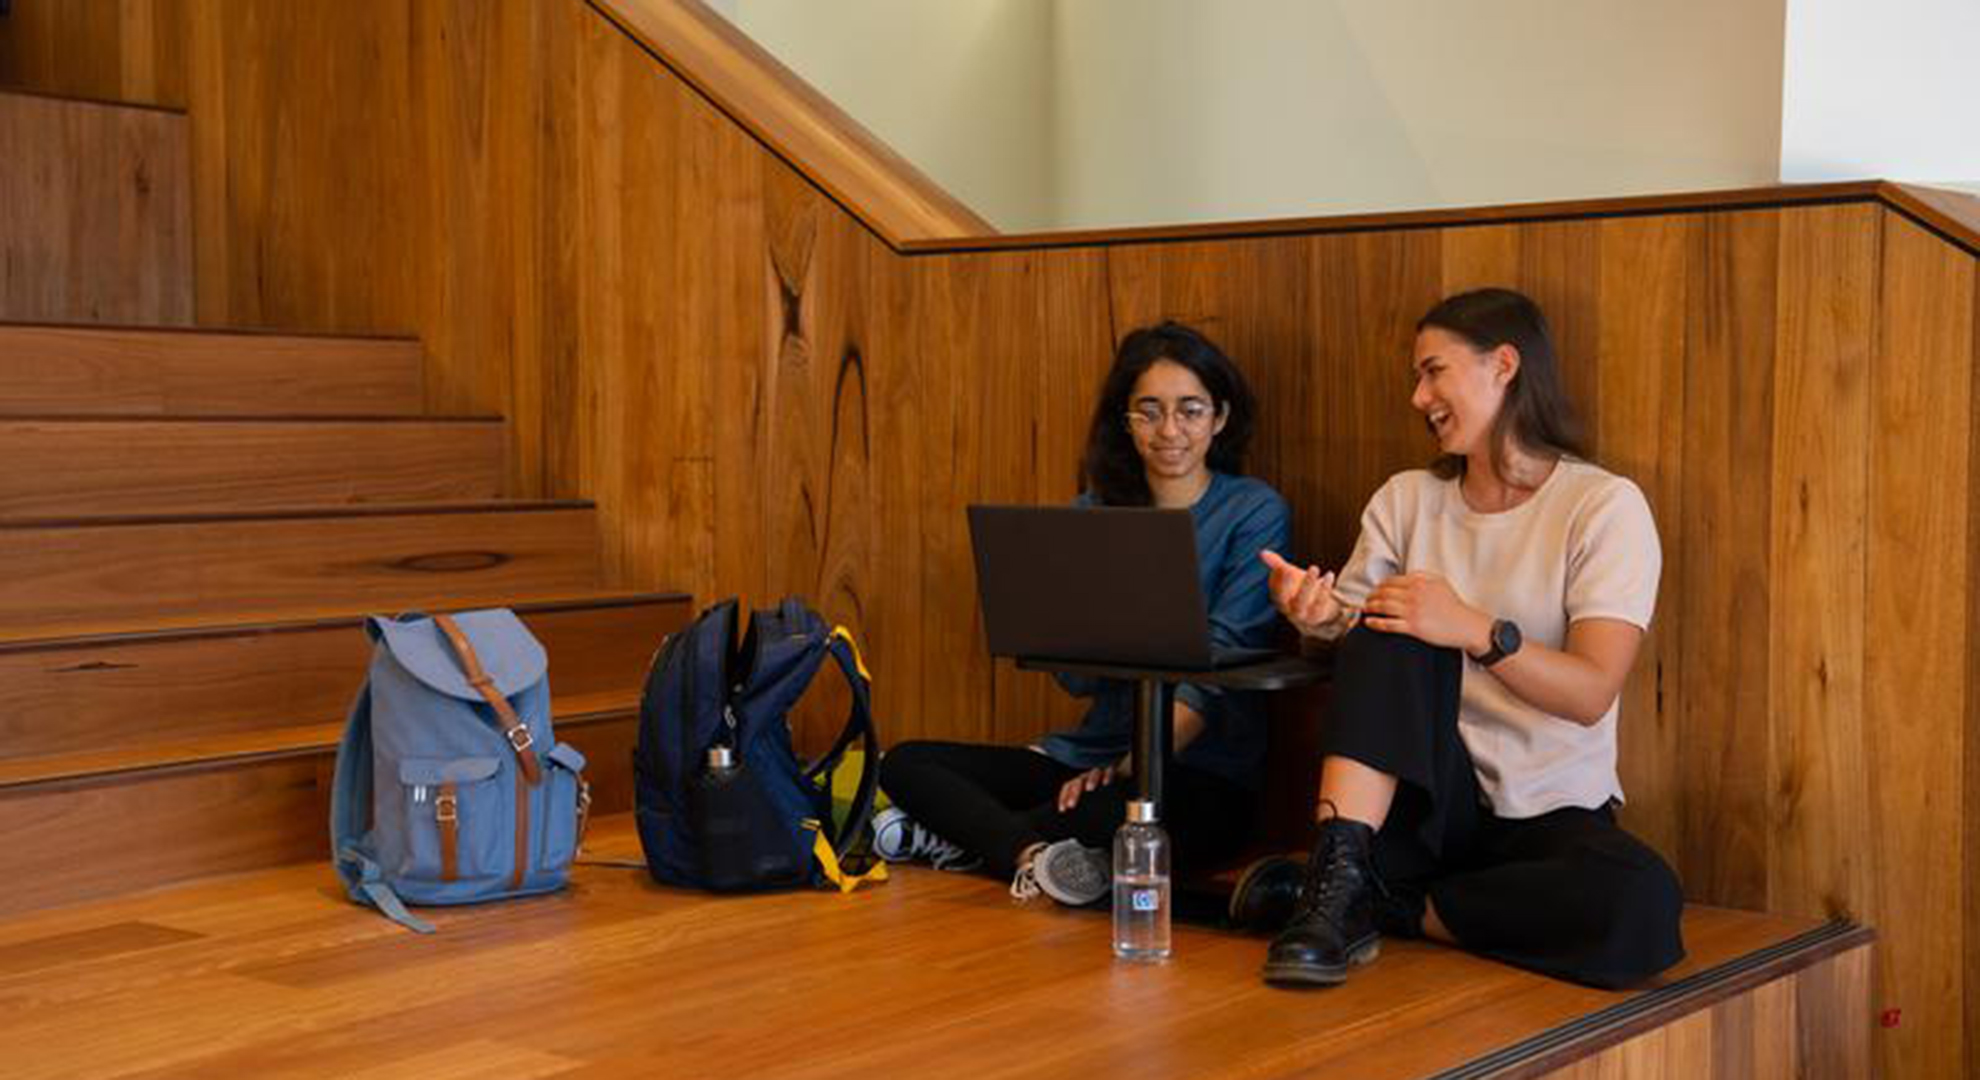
{"x":1236,"y":518}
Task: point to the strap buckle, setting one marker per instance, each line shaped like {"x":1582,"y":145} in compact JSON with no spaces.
{"x":520,"y":738}
{"x":446,"y":808}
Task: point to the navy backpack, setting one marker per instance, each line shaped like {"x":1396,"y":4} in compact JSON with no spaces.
{"x":723,"y":801}
{"x":451,"y":787}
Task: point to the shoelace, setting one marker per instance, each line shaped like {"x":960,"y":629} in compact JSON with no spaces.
{"x":940,"y":854}
{"x":950,"y":857}
{"x":1321,"y":892}
{"x":1024,"y":884}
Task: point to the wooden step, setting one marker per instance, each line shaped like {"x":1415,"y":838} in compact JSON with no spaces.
{"x":129,"y":830}
{"x":278,"y":974}
{"x":65,"y":467}
{"x":85,"y":576}
{"x":52,"y":370}
{"x":75,"y":707}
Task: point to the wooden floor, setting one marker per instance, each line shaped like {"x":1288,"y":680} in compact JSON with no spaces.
{"x":275,"y":974}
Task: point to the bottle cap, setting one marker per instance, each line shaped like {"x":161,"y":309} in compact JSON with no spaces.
{"x":721,"y":757}
{"x":1141,"y":812}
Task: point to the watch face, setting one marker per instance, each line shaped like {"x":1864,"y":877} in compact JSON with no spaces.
{"x":1505,"y":637}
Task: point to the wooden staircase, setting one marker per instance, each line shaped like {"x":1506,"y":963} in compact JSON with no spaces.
{"x":192,"y":525}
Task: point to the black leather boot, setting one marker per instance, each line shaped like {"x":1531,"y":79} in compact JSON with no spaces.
{"x":1267,"y":893}
{"x":1333,"y":926}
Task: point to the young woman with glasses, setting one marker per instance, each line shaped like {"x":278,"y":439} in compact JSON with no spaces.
{"x":1169,"y":430}
{"x":1486,"y":619}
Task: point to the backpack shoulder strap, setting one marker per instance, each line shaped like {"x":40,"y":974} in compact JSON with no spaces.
{"x":859,"y":726}
{"x":505,"y":714}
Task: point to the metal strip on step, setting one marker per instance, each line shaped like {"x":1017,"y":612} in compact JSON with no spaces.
{"x":1622,"y":1014}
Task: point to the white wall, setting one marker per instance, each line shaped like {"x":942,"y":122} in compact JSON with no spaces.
{"x":1179,"y":110}
{"x":1075,"y":113}
{"x":1888,"y":90}
{"x":962,"y":88}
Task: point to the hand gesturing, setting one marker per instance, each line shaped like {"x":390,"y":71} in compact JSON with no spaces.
{"x":1304,"y":595}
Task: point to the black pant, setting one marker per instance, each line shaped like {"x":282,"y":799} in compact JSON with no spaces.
{"x":995,"y":801}
{"x":1567,"y":894}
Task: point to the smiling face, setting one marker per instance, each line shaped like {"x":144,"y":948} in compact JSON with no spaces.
{"x":1460,"y":388}
{"x":1173,"y":421}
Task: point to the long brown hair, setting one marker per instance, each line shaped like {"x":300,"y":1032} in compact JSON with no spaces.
{"x":1536,"y":414}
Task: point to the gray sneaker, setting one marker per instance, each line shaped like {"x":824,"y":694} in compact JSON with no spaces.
{"x":1067,"y":871}
{"x":897,"y":838}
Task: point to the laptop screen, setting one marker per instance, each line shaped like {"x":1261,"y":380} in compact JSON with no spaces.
{"x":1099,"y":584}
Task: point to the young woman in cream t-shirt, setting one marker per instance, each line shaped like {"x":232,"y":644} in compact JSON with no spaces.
{"x":1486,"y":621}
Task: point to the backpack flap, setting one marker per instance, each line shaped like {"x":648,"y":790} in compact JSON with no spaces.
{"x":509,"y":653}
{"x":486,"y":657}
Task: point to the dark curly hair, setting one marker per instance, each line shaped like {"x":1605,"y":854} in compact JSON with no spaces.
{"x":1111,"y":469}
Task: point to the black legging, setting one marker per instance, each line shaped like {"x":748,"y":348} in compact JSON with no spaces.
{"x":1567,"y":894}
{"x":995,"y":801}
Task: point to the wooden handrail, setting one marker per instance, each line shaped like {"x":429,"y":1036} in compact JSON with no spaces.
{"x":797,"y":123}
{"x":1953,"y":215}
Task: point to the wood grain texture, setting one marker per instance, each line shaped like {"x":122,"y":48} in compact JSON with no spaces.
{"x":1915,"y":693}
{"x":669,"y":316}
{"x":612,"y":972}
{"x":65,"y":579}
{"x":1954,"y":216}
{"x":110,"y":50}
{"x":1723,"y":586}
{"x":65,"y":698}
{"x":1639,"y":355}
{"x":70,"y":370}
{"x":1812,"y":1024}
{"x":125,"y":831}
{"x":1820,"y":856}
{"x":62,"y":468}
{"x":1969,"y":848}
{"x":96,"y":225}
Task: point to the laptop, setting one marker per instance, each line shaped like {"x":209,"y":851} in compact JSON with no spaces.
{"x":1114,"y":585}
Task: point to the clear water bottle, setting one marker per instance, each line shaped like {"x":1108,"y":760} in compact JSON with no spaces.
{"x":1141,"y":886}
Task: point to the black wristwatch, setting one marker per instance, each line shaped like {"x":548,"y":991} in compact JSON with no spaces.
{"x":1506,"y":641}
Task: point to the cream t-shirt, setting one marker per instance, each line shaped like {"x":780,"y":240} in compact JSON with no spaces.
{"x":1584,"y":546}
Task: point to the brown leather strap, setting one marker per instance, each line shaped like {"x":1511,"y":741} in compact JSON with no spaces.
{"x":512,"y":725}
{"x":522,"y":832}
{"x":447,"y":815}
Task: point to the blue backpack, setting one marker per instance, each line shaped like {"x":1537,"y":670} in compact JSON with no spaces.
{"x":451,"y":787}
{"x":722,"y":800}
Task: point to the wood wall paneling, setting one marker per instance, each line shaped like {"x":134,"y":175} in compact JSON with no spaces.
{"x":109,"y":50}
{"x":1968,"y":852}
{"x":1819,"y":839}
{"x":90,"y":187}
{"x":1723,"y":588}
{"x":1915,"y":696}
{"x":1639,"y":353}
{"x":1561,"y":268}
{"x":1809,"y":1025}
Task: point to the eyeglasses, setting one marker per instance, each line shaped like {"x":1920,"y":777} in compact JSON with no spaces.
{"x":1192,"y":414}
